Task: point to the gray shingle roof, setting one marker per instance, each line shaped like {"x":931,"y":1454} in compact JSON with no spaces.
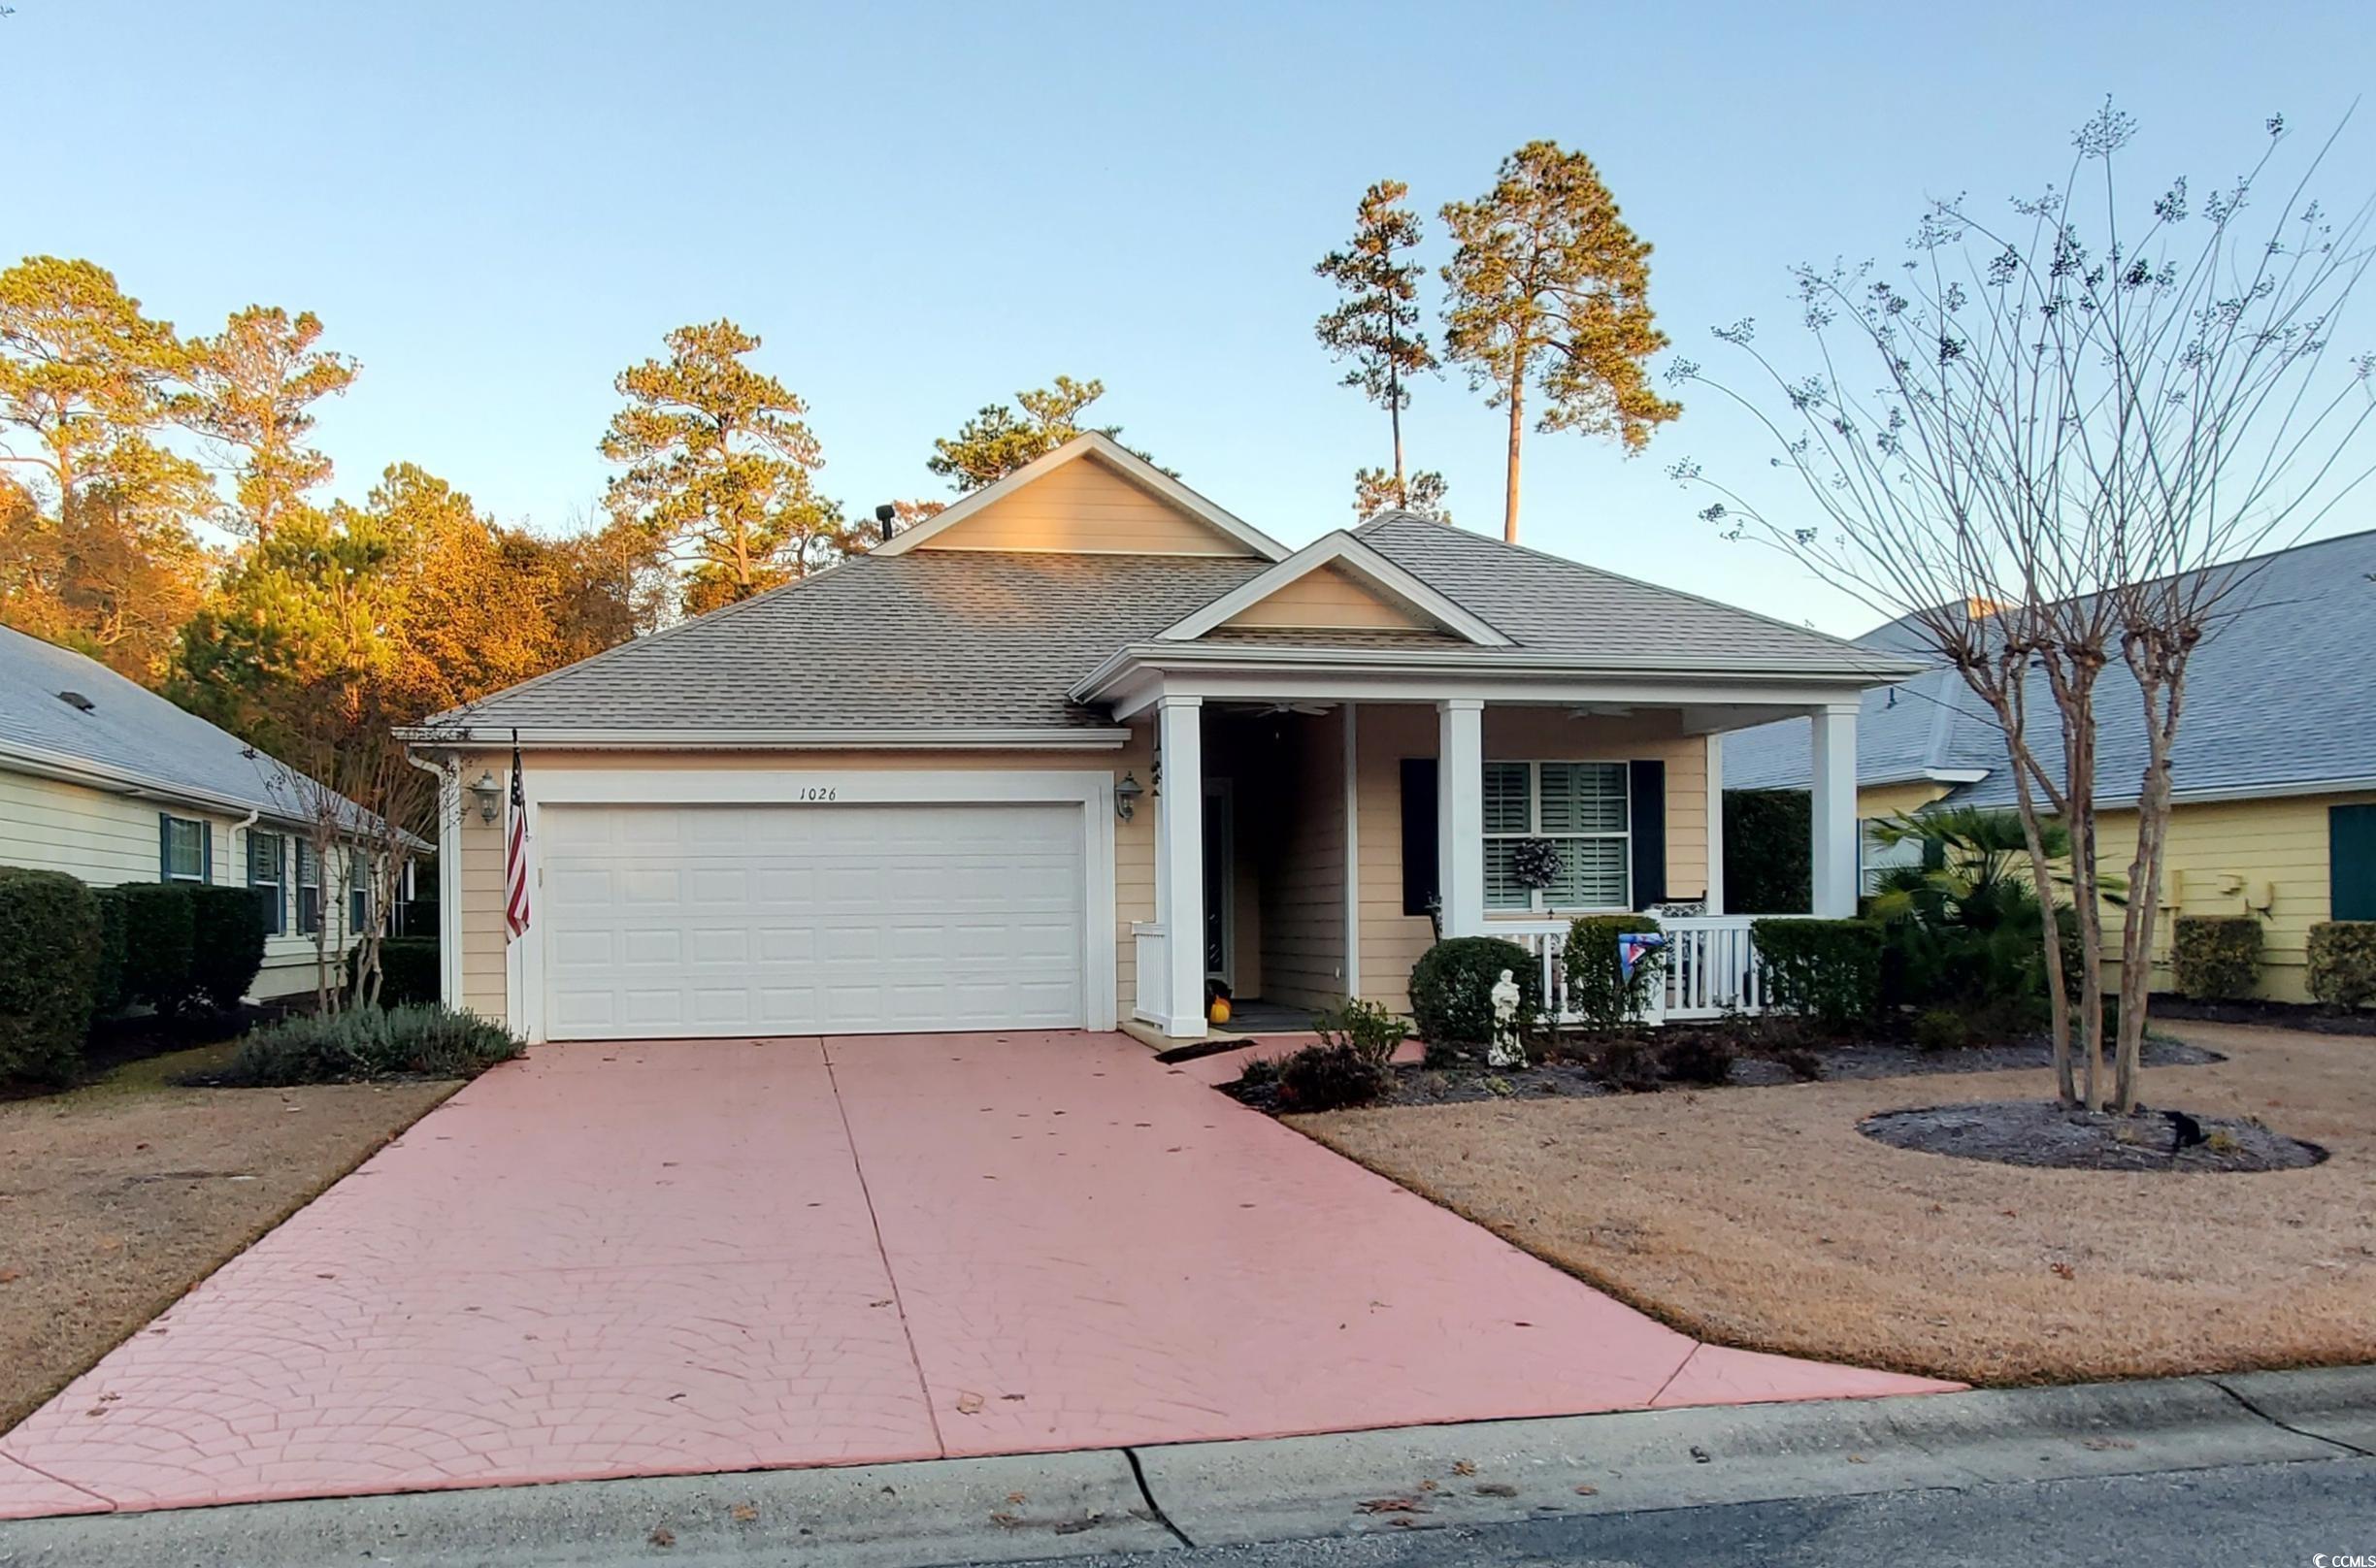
{"x":944,"y":640}
{"x":934,"y":639}
{"x":2282,"y":697}
{"x":1548,"y":603}
{"x":129,"y":734}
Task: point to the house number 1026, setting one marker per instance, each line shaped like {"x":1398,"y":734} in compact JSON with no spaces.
{"x":820,"y":792}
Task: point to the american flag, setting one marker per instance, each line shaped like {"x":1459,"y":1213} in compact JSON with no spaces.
{"x":515,"y":852}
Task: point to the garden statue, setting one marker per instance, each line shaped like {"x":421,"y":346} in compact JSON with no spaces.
{"x":1506,"y":1050}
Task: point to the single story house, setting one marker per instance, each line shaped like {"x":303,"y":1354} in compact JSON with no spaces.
{"x":1085,"y":742}
{"x":104,"y":779}
{"x":2274,"y":775}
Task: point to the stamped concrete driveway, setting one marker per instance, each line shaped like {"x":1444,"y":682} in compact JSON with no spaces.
{"x":653,"y":1258}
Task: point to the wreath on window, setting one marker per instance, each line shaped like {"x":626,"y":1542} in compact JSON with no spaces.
{"x":1535,"y":863}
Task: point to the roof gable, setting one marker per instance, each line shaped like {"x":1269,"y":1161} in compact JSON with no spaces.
{"x":1336,"y":582}
{"x":1088,"y":497}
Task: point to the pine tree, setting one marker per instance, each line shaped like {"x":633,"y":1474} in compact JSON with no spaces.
{"x":1377,"y":320}
{"x":1549,"y":292}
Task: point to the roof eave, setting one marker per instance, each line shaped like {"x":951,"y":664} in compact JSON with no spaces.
{"x":67,"y":768}
{"x":580,"y":738}
{"x":1498,"y":662}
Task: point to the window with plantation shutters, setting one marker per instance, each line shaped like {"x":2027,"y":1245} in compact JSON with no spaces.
{"x":1582,"y":809}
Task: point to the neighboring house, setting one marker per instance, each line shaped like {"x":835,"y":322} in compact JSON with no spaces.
{"x":2274,"y":773}
{"x":940,"y":786}
{"x":108,"y":781}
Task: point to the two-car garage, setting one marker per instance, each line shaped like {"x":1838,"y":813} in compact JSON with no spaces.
{"x":820,"y":906}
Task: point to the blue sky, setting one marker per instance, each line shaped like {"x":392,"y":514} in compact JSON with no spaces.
{"x":497,"y":207}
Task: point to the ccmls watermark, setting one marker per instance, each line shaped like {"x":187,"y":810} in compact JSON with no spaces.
{"x":2343,"y":1559}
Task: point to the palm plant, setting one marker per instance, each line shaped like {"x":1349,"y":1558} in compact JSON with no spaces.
{"x":1965,"y":926}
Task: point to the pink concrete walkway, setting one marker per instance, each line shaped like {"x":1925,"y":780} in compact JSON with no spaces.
{"x":681,"y":1257}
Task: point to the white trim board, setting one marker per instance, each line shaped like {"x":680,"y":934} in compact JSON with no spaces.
{"x":1092,"y":792}
{"x":1129,"y":465}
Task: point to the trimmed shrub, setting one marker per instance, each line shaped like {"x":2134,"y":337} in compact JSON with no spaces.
{"x":407,"y":971}
{"x":1698,"y":1057}
{"x":2216,"y":957}
{"x":160,"y":941}
{"x":226,"y":944}
{"x":365,"y":1043}
{"x":108,"y":994}
{"x":2343,"y":962}
{"x":1828,"y":970}
{"x":1328,"y":1078}
{"x":1768,"y":852}
{"x":1451,"y":990}
{"x":1598,"y":992}
{"x":48,"y":972}
{"x":1941,"y":1030}
{"x":1364,"y":1028}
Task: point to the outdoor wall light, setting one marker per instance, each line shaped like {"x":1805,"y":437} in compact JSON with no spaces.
{"x":489,"y":795}
{"x":1126,"y":796}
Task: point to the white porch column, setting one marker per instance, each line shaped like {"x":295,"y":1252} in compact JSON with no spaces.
{"x":1179,"y":861}
{"x":1352,"y":852}
{"x":1459,"y":814}
{"x":1715,"y":824}
{"x":1834,"y":806}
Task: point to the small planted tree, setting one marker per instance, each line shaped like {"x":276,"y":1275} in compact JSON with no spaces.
{"x":2050,"y":442}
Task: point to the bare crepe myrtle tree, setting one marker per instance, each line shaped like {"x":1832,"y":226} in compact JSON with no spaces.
{"x":2054,"y":436}
{"x":365,"y":813}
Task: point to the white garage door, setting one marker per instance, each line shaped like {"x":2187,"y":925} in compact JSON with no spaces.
{"x":664,"y":921}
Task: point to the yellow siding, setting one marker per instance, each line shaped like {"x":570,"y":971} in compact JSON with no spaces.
{"x":1889,"y":800}
{"x":106,"y":838}
{"x":2220,"y":859}
{"x":481,"y":870}
{"x":1334,"y":598}
{"x":1084,"y":507}
{"x":1392,"y":942}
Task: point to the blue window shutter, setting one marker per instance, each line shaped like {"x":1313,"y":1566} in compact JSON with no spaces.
{"x":2351,"y":862}
{"x":164,"y":847}
{"x":1420,"y":870}
{"x":1647,"y":785}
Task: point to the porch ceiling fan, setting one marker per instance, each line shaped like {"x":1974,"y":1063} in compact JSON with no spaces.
{"x":1283,"y":707}
{"x":1601,"y":711}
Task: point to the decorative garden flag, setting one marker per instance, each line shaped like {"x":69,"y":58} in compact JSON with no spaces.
{"x":515,"y":851}
{"x":1633,"y":947}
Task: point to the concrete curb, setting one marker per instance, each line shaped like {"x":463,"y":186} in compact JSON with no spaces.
{"x":1048,"y":1506}
{"x":888,"y":1516}
{"x":1498,"y":1471}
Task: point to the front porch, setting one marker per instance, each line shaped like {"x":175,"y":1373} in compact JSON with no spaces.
{"x":1325,"y":838}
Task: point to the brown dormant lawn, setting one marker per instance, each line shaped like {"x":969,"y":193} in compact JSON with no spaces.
{"x":117,"y":1198}
{"x":1762,"y":1218}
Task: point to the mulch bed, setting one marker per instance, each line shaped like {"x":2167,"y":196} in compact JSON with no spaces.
{"x":2042,"y":1135}
{"x":2271,"y":1014}
{"x":1414,"y":1085}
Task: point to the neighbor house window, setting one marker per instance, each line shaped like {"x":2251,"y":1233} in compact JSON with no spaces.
{"x":1875,"y":858}
{"x":1582,"y":809}
{"x":308,"y":889}
{"x":267,"y":861}
{"x":358,"y":891}
{"x":181,"y":850}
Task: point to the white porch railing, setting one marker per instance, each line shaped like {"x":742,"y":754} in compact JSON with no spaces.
{"x":1152,"y":953}
{"x":1711,"y":967}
